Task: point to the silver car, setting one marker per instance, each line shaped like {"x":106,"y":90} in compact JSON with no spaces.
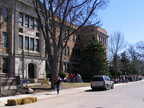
{"x":102,"y":81}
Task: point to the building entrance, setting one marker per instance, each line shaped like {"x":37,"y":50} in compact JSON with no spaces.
{"x":31,"y":70}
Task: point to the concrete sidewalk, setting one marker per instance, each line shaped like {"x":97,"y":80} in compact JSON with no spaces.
{"x":44,"y":95}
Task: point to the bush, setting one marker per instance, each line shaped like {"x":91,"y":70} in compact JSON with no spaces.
{"x":62,"y":75}
{"x":48,"y":74}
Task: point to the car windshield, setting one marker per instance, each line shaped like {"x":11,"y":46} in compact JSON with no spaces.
{"x":97,"y":79}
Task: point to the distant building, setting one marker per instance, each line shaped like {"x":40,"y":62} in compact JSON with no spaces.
{"x":22,"y":48}
{"x":80,"y":40}
{"x":98,"y":32}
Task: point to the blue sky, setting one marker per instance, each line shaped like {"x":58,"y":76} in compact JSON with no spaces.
{"x":126,"y":16}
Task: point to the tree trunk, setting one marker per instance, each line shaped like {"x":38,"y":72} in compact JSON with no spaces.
{"x":54,"y":72}
{"x":61,"y":63}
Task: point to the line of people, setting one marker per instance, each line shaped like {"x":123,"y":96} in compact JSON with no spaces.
{"x":126,"y":78}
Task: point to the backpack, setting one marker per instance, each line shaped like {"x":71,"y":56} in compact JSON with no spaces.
{"x":57,"y":81}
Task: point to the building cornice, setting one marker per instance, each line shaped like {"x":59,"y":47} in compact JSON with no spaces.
{"x":30,"y":4}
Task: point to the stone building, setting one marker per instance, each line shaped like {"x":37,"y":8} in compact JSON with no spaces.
{"x":21,"y":43}
{"x":22,"y":48}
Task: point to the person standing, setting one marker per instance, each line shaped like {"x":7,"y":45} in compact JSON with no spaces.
{"x":57,"y":83}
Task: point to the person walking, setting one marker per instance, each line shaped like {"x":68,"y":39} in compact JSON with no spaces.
{"x":57,"y":83}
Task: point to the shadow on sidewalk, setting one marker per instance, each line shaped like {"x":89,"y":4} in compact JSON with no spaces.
{"x":96,"y":90}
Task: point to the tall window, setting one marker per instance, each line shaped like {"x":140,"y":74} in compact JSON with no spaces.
{"x":37,"y":44}
{"x":74,"y":37}
{"x":20,"y":19}
{"x":64,"y":51}
{"x":64,"y":67}
{"x":31,"y":22}
{"x":37,"y":24}
{"x":37,"y":34}
{"x":5,"y":40}
{"x":20,"y":41}
{"x":5,"y":14}
{"x":68,"y":51}
{"x":5,"y":65}
{"x":32,"y":44}
{"x":27,"y":43}
{"x":105,"y":41}
{"x":27,"y":21}
{"x":99,"y":38}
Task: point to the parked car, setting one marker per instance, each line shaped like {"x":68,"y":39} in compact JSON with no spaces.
{"x":102,"y":82}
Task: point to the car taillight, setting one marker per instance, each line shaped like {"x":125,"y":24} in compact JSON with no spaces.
{"x":104,"y":83}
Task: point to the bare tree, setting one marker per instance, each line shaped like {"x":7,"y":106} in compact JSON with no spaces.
{"x":116,"y":44}
{"x":132,"y":52}
{"x":6,"y":9}
{"x":140,"y":47}
{"x":140,"y":53}
{"x":2,"y":5}
{"x":58,"y":20}
{"x":135,"y":63}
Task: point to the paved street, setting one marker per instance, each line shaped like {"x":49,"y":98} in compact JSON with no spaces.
{"x":128,"y":95}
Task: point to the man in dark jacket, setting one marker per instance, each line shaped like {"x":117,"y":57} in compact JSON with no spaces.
{"x":57,"y":83}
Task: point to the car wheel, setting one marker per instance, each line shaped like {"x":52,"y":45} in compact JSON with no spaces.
{"x":112,"y":87}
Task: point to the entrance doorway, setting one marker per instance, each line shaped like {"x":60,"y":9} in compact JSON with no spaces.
{"x":31,"y":70}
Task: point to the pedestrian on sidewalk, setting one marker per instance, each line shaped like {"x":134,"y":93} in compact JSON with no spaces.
{"x":57,"y":84}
